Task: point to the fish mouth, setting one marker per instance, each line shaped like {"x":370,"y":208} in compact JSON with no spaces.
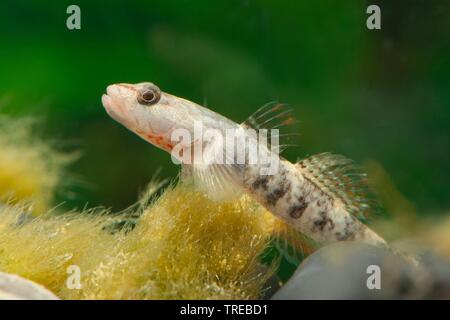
{"x":107,"y":98}
{"x":109,"y":105}
{"x":111,"y":102}
{"x":107,"y":101}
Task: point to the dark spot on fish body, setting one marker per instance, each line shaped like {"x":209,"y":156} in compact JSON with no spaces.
{"x":261,"y":182}
{"x":296,"y":211}
{"x":273,"y":197}
{"x":301,"y":164}
{"x":349,"y":233}
{"x":323,"y":221}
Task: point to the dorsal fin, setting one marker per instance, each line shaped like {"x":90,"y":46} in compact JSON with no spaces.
{"x":340,"y":177}
{"x":274,"y":115}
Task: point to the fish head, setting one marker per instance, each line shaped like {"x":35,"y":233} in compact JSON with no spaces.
{"x":149,"y":112}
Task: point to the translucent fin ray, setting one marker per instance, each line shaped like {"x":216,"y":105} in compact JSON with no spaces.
{"x":270,"y":115}
{"x":340,"y":177}
{"x":273,"y":115}
{"x":215,"y":180}
{"x":292,"y":244}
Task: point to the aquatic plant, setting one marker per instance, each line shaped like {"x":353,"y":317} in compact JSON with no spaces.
{"x":30,"y":169}
{"x":183,"y":246}
{"x":180,"y":245}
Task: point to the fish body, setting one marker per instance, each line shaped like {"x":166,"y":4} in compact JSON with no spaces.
{"x":295,"y":196}
{"x":318,"y":196}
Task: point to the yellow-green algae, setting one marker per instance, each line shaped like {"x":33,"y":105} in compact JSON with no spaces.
{"x":30,"y":169}
{"x":183,"y":247}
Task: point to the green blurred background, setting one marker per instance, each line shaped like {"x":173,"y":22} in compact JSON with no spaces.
{"x":381,"y":94}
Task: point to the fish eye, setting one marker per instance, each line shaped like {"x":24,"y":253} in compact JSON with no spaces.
{"x":149,"y":95}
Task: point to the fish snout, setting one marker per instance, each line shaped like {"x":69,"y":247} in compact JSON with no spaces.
{"x":115,"y":96}
{"x":114,"y":91}
{"x":114,"y":102}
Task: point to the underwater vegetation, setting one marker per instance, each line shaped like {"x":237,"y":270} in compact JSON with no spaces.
{"x":183,"y":246}
{"x":174,"y":243}
{"x":30,"y":169}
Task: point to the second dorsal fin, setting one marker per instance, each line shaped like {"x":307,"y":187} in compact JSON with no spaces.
{"x":341,"y":179}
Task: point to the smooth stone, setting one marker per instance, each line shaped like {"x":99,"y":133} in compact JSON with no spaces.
{"x":14,"y":287}
{"x":340,"y":271}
